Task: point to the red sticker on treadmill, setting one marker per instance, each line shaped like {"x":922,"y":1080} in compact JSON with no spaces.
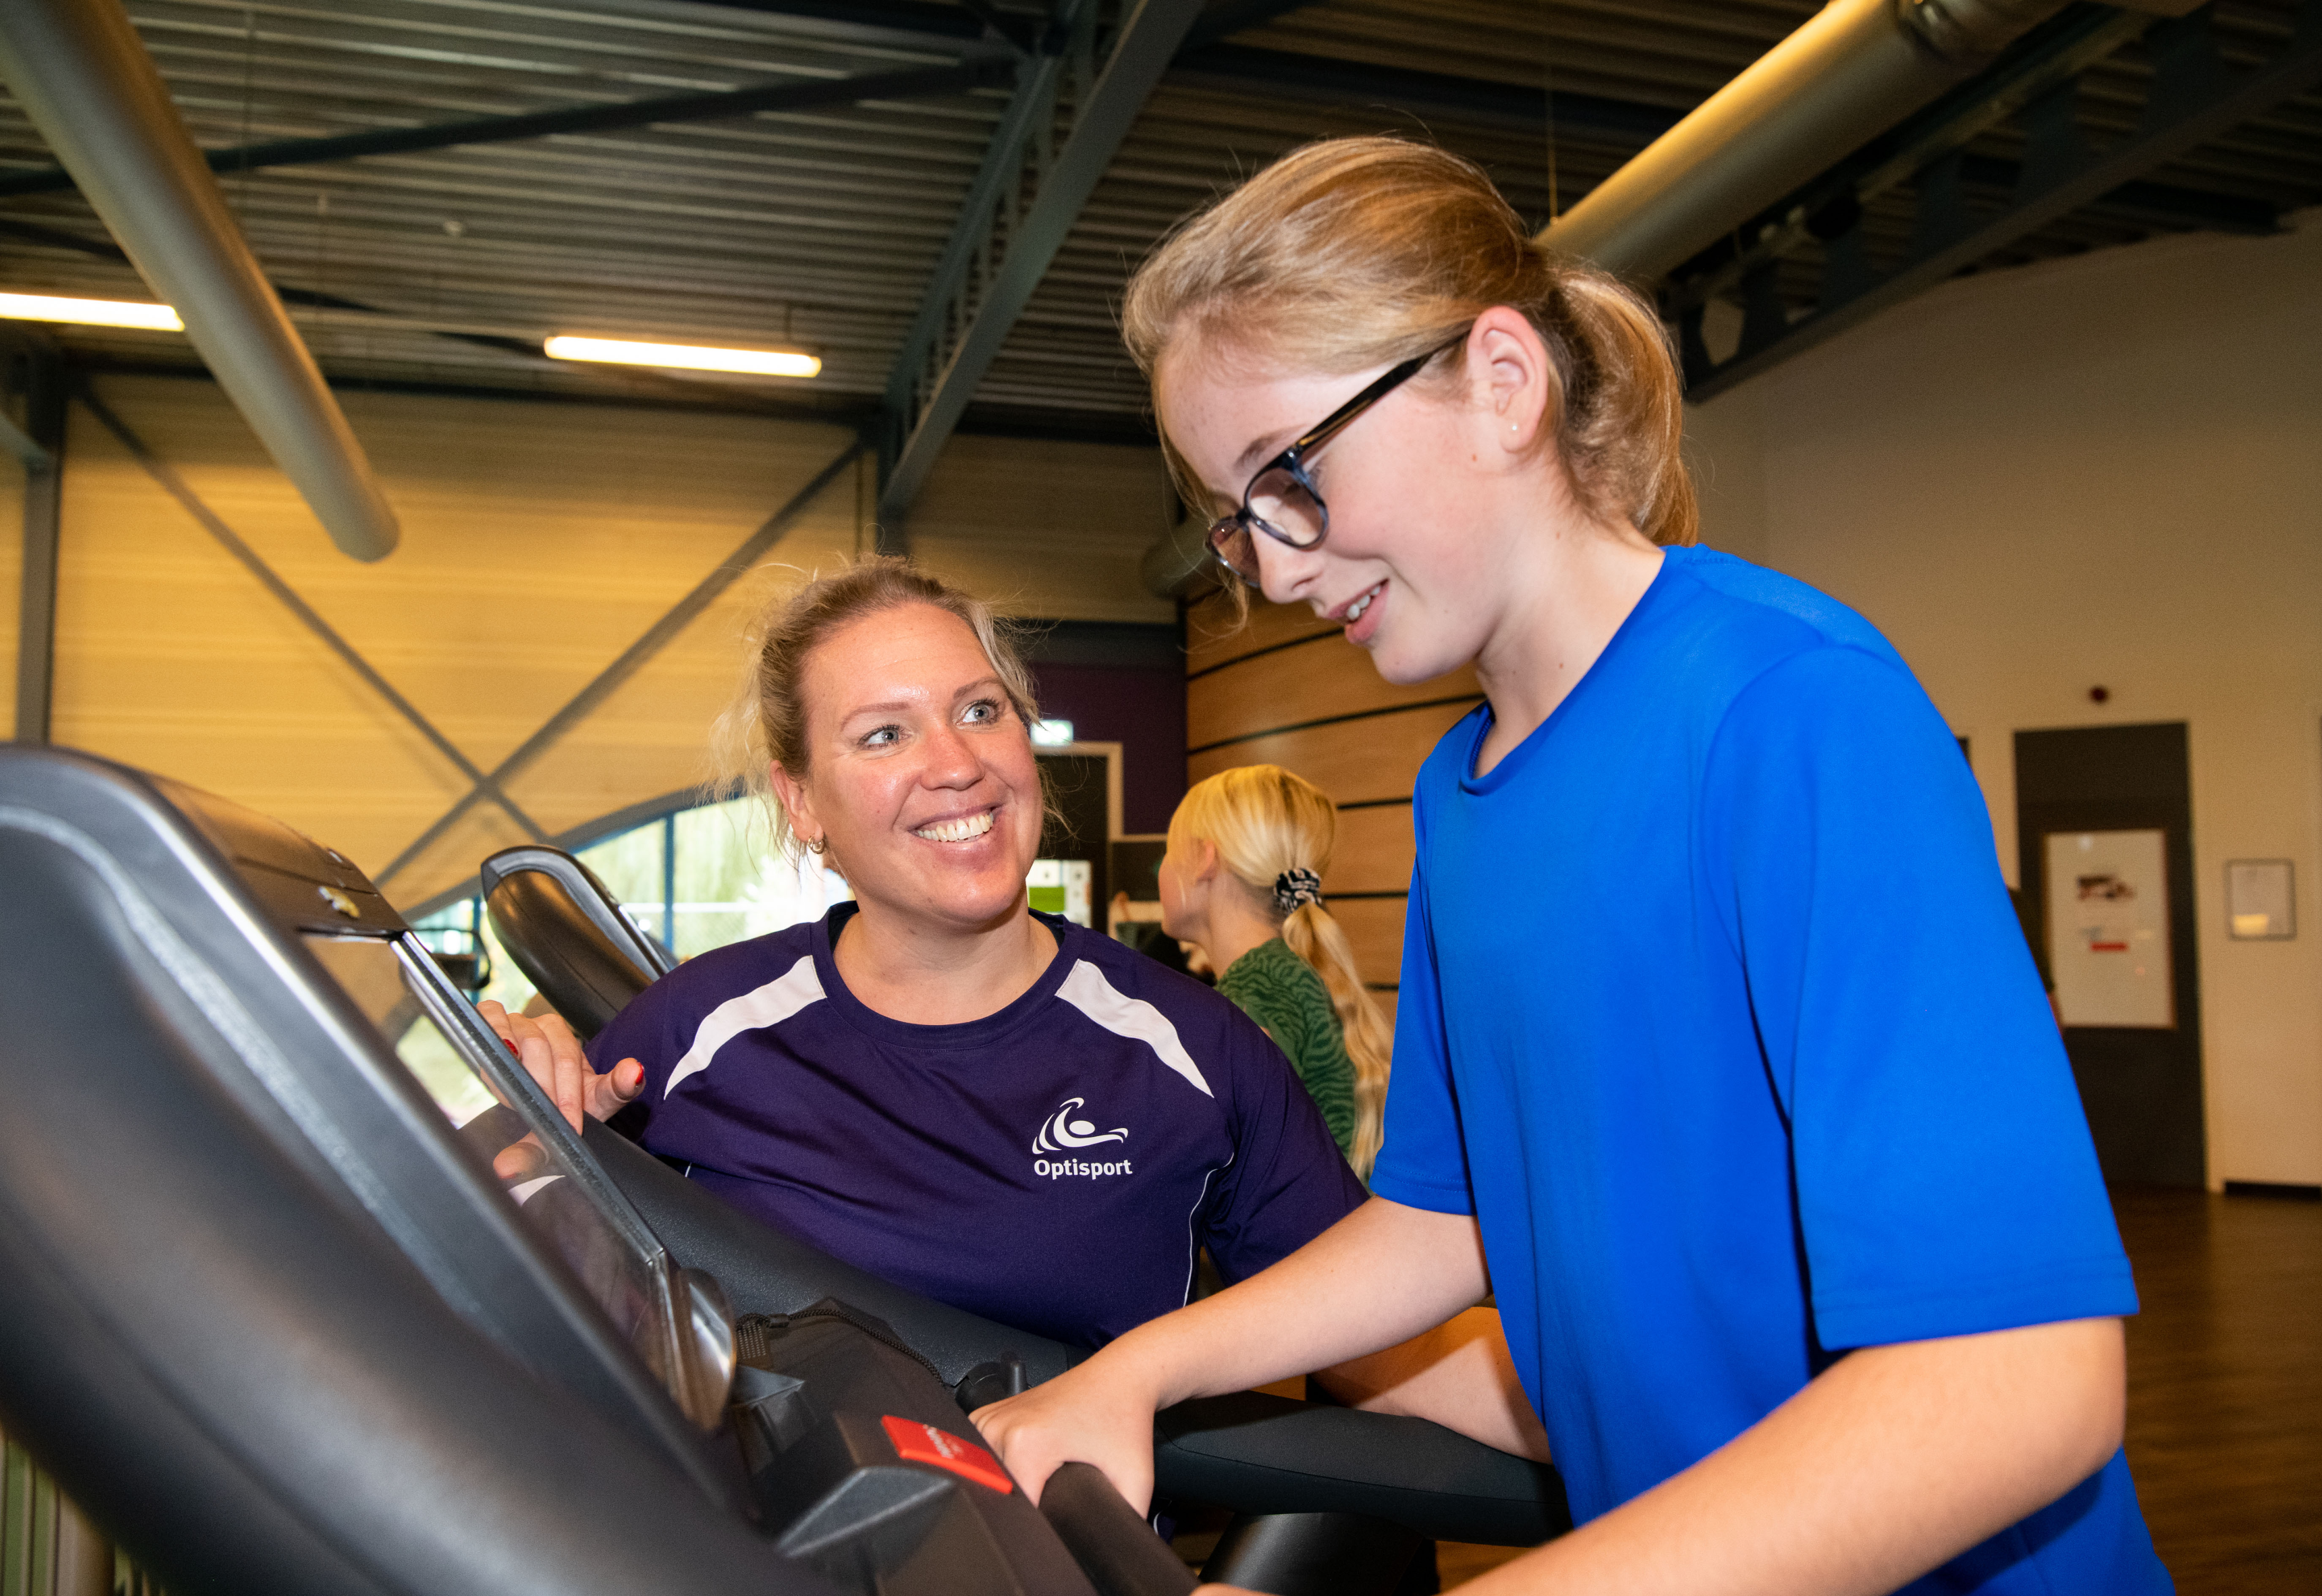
{"x":923,"y":1443}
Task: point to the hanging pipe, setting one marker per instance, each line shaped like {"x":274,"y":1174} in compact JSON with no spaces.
{"x":82,"y":75}
{"x":1855,"y":69}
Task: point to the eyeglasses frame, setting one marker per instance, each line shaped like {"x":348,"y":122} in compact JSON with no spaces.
{"x":1292,"y":459}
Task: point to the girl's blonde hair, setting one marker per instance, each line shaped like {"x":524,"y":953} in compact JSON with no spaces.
{"x":1352,"y":253}
{"x":766,"y":722}
{"x":1266,"y":823}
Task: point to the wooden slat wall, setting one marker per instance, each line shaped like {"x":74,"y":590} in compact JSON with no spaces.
{"x":1287,"y":689}
{"x":538,"y":543}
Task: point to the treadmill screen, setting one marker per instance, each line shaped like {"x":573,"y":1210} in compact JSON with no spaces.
{"x":442,"y":1042}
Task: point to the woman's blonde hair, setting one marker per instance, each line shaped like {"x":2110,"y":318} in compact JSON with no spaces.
{"x":1352,"y":253}
{"x":1265,"y":824}
{"x":766,"y":722}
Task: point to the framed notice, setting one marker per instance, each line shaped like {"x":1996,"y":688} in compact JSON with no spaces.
{"x":2260,"y":906}
{"x":2109,"y":928}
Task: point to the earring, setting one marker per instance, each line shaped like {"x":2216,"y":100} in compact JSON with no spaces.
{"x":818,"y":845}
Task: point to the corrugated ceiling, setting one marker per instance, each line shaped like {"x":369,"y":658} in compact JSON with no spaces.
{"x":821,"y":227}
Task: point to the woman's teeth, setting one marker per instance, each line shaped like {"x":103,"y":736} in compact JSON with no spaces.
{"x":956,"y":830}
{"x":1355,"y":610}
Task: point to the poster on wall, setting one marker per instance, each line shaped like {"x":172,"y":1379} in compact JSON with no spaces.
{"x":2109,"y":928}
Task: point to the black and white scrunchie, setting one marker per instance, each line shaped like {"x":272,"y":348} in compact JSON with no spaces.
{"x":1294,"y":890}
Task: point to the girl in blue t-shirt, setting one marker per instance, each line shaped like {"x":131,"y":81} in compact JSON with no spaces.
{"x":1718,"y":1054}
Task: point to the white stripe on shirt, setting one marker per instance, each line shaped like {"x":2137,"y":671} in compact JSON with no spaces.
{"x":754,"y":1010}
{"x":1086,"y":989}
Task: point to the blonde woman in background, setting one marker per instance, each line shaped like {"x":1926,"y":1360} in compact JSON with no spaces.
{"x":1242,"y":880}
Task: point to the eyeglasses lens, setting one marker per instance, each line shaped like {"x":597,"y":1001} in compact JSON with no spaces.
{"x":1282,"y":506}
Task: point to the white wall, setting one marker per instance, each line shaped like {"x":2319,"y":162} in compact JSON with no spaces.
{"x":2106,"y":471}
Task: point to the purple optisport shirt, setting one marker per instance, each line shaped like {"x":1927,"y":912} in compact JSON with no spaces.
{"x":1054,"y":1166}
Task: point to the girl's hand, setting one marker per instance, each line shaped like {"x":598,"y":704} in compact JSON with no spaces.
{"x":553,"y":1057}
{"x":1090,"y":1414}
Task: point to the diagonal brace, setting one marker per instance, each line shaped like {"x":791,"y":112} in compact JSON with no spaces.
{"x":175,"y":487}
{"x":634,"y":658}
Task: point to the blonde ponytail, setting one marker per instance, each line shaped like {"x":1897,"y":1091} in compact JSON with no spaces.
{"x":1316,"y":937}
{"x":1268,"y":824}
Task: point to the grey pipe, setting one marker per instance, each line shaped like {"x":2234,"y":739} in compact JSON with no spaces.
{"x":81,"y":73}
{"x":1854,"y":70}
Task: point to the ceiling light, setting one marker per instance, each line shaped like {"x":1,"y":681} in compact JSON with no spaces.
{"x":89,"y":312}
{"x":690,"y":356}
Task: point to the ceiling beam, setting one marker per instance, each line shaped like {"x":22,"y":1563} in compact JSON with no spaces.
{"x":966,"y":327}
{"x":911,"y":83}
{"x":2195,"y":96}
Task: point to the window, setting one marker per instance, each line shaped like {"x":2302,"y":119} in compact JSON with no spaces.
{"x":698,"y":879}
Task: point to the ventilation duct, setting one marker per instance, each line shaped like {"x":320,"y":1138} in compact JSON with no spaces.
{"x":81,"y":74}
{"x":1853,"y":71}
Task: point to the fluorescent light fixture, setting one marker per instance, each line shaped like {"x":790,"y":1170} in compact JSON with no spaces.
{"x":1052,"y":734}
{"x":89,"y":312}
{"x":688,"y":357}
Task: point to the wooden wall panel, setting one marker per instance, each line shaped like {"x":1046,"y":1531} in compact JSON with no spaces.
{"x":1214,"y":637}
{"x":1374,"y":925}
{"x":1353,"y":761}
{"x":1320,"y":679}
{"x":1374,"y":851}
{"x":1285,"y":669}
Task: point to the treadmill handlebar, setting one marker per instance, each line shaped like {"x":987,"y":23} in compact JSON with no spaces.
{"x":1118,"y":1550}
{"x":1248,"y":1451}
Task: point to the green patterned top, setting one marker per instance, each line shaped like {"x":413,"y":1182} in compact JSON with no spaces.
{"x":1280,"y":990}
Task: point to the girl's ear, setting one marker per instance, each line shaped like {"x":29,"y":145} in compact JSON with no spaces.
{"x":1512,"y":379}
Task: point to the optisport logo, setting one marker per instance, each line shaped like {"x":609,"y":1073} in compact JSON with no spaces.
{"x":1062,"y":1133}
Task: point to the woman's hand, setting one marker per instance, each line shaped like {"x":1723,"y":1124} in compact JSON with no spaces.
{"x":1096,"y":1414}
{"x":553,"y":1056}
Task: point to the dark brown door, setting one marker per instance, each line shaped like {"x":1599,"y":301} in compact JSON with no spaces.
{"x":2099,"y":792}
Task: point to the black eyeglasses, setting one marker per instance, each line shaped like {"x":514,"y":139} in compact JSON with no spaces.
{"x":1282,"y":500}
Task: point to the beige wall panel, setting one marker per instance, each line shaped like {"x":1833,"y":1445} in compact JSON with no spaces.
{"x":1046,"y":529}
{"x":538,"y":543}
{"x":1377,"y":757}
{"x":1374,"y":927}
{"x":1214,"y":635}
{"x":12,"y":574}
{"x":1374,"y":851}
{"x":2094,"y":471}
{"x":1291,"y":687}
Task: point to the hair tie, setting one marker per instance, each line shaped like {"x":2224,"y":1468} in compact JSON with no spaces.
{"x":1294,"y":890}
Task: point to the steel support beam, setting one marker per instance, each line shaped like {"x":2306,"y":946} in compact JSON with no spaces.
{"x":43,"y":430}
{"x":267,"y":577}
{"x":968,"y":318}
{"x":2195,"y":97}
{"x":913,"y":83}
{"x":633,"y":659}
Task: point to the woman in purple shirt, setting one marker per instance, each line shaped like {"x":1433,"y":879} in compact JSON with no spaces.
{"x":997,"y":1108}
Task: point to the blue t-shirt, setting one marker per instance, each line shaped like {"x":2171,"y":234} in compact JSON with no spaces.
{"x":1715,"y":1015}
{"x":1054,"y":1166}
